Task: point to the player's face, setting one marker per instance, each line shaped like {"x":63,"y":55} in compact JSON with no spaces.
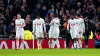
{"x":18,"y":16}
{"x":76,"y":16}
{"x":72,"y":16}
{"x":51,"y":15}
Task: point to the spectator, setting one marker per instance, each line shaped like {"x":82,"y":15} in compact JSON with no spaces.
{"x":2,"y":28}
{"x":44,"y":11}
{"x":23,"y":12}
{"x":97,"y":38}
{"x":11,"y":30}
{"x":28,"y":23}
{"x":87,"y":30}
{"x":47,"y":24}
{"x":7,"y":17}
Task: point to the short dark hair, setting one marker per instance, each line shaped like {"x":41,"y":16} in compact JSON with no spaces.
{"x":18,"y":14}
{"x":78,"y":14}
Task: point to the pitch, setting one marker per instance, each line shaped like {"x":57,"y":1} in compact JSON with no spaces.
{"x":50,"y":52}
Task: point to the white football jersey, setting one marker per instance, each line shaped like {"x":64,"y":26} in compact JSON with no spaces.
{"x":80,"y":24}
{"x":72,"y":24}
{"x":19,"y":23}
{"x":38,"y":25}
{"x":56,"y":25}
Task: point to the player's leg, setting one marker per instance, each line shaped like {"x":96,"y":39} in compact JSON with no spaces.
{"x":41,"y":39}
{"x":56,"y":40}
{"x":50,"y":40}
{"x":17,"y":43}
{"x":80,"y":40}
{"x":17,"y":40}
{"x":22,"y":39}
{"x":74,"y":40}
{"x":38,"y":39}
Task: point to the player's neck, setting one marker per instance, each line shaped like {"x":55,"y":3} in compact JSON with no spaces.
{"x":19,"y":18}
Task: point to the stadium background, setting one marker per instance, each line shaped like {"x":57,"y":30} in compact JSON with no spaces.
{"x":89,"y":9}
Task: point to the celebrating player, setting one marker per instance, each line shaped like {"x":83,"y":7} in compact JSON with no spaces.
{"x":20,"y":24}
{"x":72,"y":28}
{"x":39,"y":29}
{"x":54,"y":32}
{"x":81,"y":29}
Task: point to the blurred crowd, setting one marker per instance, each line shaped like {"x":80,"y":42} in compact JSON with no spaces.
{"x":89,"y":10}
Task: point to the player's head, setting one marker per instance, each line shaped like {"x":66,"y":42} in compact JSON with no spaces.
{"x":38,"y":16}
{"x":78,"y":15}
{"x":72,"y":16}
{"x":51,"y":15}
{"x":18,"y":16}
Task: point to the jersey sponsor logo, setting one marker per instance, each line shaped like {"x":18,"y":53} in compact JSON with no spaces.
{"x":18,"y":24}
{"x":38,"y":23}
{"x":72,"y":24}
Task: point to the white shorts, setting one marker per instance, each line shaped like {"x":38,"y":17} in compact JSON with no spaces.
{"x":20,"y":34}
{"x":39,"y":34}
{"x":79,"y":35}
{"x":73,"y":34}
{"x":53,"y":35}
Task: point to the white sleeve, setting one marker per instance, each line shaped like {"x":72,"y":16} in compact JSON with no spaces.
{"x":52,"y":22}
{"x":44,"y":25}
{"x":83,"y":25}
{"x":23,"y":22}
{"x":34,"y":25}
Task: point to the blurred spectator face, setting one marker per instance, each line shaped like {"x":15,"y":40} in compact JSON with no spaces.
{"x":7,"y":11}
{"x":86,"y":20}
{"x":66,"y":1}
{"x":44,"y":8}
{"x":98,"y":8}
{"x":46,"y":18}
{"x":65,"y":17}
{"x":38,"y":6}
{"x":28,"y":19}
{"x":96,"y":20}
{"x":11,"y":6}
{"x":61,"y":13}
{"x":12,"y":23}
{"x":22,"y":8}
{"x":2,"y":15}
{"x":62,"y":9}
{"x":78,"y":4}
{"x":52,"y":6}
{"x":97,"y":25}
{"x":85,"y":1}
{"x":28,"y":16}
{"x":18,"y":16}
{"x":67,"y":11}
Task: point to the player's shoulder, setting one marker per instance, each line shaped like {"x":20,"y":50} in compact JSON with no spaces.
{"x":42,"y":19}
{"x":22,"y":19}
